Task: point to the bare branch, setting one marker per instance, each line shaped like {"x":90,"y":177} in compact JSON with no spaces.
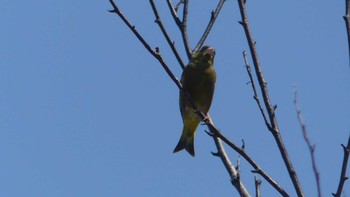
{"x":173,"y":12}
{"x":309,"y":144}
{"x":183,"y":30}
{"x":155,"y":54}
{"x":234,"y":175}
{"x":256,"y":97}
{"x":182,"y":25}
{"x":205,"y":119}
{"x":178,"y":5}
{"x":268,"y":105}
{"x":158,"y":56}
{"x":257,"y":168}
{"x":347,"y":22}
{"x":233,"y":172}
{"x":343,"y":176}
{"x":214,"y":15}
{"x":257,"y":186}
{"x":166,"y":35}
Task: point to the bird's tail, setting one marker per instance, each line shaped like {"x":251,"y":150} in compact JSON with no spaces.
{"x":186,"y":141}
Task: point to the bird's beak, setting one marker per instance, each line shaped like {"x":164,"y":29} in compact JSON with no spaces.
{"x":210,"y":51}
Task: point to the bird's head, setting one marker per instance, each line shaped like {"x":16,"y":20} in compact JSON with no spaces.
{"x":208,"y":51}
{"x":205,"y":55}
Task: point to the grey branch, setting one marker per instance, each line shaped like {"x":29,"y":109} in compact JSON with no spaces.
{"x":343,"y":176}
{"x":347,"y":22}
{"x":166,"y":35}
{"x":156,"y":54}
{"x":256,"y":97}
{"x":268,"y":105}
{"x":235,"y":178}
{"x":309,"y":144}
{"x":182,"y":25}
{"x":257,"y":168}
{"x":213,"y":130}
{"x":257,"y":186}
{"x":214,"y":15}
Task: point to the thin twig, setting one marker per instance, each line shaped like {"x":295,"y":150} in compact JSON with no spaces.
{"x":183,"y":30}
{"x":166,"y":35}
{"x":347,"y":23}
{"x":182,"y":25}
{"x":155,"y":53}
{"x":205,"y":119}
{"x":343,"y":176}
{"x":309,"y":144}
{"x":234,"y":175}
{"x":256,"y":97}
{"x":173,"y":13}
{"x":178,"y":5}
{"x":257,"y":186}
{"x":257,"y":168}
{"x":159,"y":57}
{"x":214,"y":15}
{"x":269,"y":107}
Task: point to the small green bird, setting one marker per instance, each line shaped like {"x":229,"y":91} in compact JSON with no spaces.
{"x":198,"y":80}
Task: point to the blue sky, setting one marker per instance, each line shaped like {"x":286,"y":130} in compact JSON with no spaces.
{"x":85,"y":110}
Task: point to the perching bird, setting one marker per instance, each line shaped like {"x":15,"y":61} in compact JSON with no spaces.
{"x":198,"y":80}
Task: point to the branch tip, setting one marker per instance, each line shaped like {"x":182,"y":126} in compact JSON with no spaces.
{"x":243,"y":144}
{"x":215,"y":154}
{"x":213,"y":16}
{"x":178,"y":5}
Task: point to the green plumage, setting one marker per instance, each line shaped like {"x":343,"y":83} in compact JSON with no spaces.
{"x":198,"y":80}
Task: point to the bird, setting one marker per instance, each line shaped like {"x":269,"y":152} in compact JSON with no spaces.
{"x":198,"y":81}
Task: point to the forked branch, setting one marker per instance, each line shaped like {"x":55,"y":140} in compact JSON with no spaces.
{"x":166,"y":35}
{"x":256,"y":96}
{"x":240,"y":187}
{"x":234,"y":174}
{"x":257,"y":187}
{"x":272,"y":126}
{"x":156,"y":54}
{"x":310,"y":146}
{"x":214,"y":15}
{"x":214,"y":131}
{"x":343,"y":176}
{"x":181,"y":24}
{"x":257,"y":168}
